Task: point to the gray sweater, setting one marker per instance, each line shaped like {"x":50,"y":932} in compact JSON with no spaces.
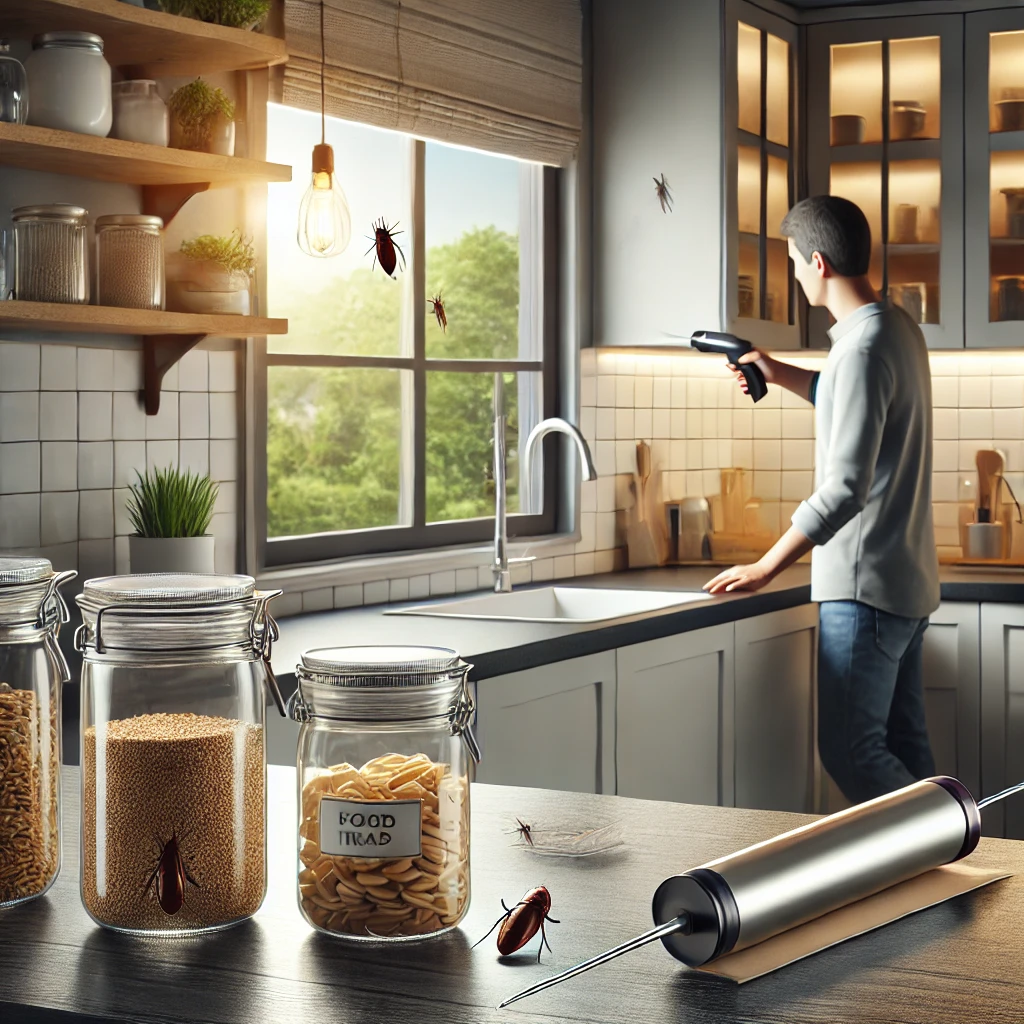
{"x":872,"y":509}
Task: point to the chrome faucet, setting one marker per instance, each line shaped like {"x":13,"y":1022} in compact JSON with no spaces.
{"x":554,"y":424}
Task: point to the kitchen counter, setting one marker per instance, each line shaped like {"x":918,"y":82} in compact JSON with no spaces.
{"x":496,"y":648}
{"x":956,"y":962}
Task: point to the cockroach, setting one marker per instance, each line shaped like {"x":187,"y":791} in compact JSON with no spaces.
{"x":438,"y":304}
{"x":664,"y":194}
{"x":170,"y":876}
{"x":520,"y":923}
{"x":386,"y":246}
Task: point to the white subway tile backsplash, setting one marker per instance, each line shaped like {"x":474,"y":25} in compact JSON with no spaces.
{"x":58,"y":415}
{"x":623,"y":392}
{"x":194,"y":414}
{"x":797,"y":423}
{"x":588,"y":496}
{"x":376,"y":592}
{"x":19,"y":366}
{"x":564,"y":567}
{"x":968,"y":450}
{"x":95,"y":416}
{"x":795,"y":454}
{"x":350,"y":595}
{"x":19,"y":521}
{"x":19,"y":416}
{"x":542,"y":569}
{"x":625,"y":456}
{"x":398,"y":590}
{"x":161,"y":454}
{"x":975,"y":392}
{"x":588,"y":391}
{"x":19,"y":467}
{"x":419,"y":587}
{"x":472,"y":579}
{"x":643,"y":392}
{"x":1008,"y":392}
{"x":223,"y":415}
{"x":946,"y":392}
{"x":643,"y":424}
{"x":129,"y":456}
{"x":223,"y":371}
{"x":606,"y":392}
{"x":767,"y":484}
{"x":95,"y":464}
{"x":1007,"y":423}
{"x":195,"y":457}
{"x":127,"y":369}
{"x":767,"y":453}
{"x":319,"y":600}
{"x":224,"y":460}
{"x":662,"y":392}
{"x":661,"y":423}
{"x":975,"y":423}
{"x":767,"y":422}
{"x":606,"y":493}
{"x":604,"y":458}
{"x":129,"y":417}
{"x":95,"y":558}
{"x":945,"y":487}
{"x":604,"y":424}
{"x":95,"y":515}
{"x":944,"y":455}
{"x":122,"y":520}
{"x":945,"y":424}
{"x":442,"y":583}
{"x":95,"y":369}
{"x":225,"y":542}
{"x":59,"y":461}
{"x":743,"y":423}
{"x":194,"y":375}
{"x":59,"y":517}
{"x":164,"y":425}
{"x":58,"y":368}
{"x":796,"y":484}
{"x":624,"y":424}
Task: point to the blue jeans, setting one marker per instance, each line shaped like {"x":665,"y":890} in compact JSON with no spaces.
{"x":872,"y":736}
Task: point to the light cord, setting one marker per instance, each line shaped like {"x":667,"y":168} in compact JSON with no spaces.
{"x":1001,"y":795}
{"x":323,"y":100}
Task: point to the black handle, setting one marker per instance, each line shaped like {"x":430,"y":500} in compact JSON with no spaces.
{"x":757,"y":388}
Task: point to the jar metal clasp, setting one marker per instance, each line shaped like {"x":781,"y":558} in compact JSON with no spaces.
{"x":263,"y":631}
{"x":460,"y":719}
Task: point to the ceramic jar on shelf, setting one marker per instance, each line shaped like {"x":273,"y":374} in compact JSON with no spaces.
{"x":140,"y":115}
{"x":69,"y":83}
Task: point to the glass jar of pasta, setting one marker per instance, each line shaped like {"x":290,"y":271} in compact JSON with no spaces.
{"x":383,"y":774}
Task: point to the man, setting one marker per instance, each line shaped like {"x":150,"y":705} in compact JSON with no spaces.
{"x":875,"y":572}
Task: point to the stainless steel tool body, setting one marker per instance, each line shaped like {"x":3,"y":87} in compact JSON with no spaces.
{"x":749,"y":896}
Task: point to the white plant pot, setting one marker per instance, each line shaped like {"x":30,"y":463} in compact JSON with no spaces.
{"x":170,"y":554}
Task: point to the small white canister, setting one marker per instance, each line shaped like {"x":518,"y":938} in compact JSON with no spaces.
{"x":69,"y":83}
{"x":140,"y":115}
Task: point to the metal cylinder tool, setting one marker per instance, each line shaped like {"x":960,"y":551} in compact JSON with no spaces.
{"x":737,"y":901}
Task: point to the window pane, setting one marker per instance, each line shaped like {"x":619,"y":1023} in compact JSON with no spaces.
{"x":914,"y":85}
{"x":472,"y":257}
{"x":777,"y":107}
{"x":338,"y":305}
{"x":460,"y":424}
{"x":334,"y":454}
{"x":748,"y":75}
{"x":856,"y":93}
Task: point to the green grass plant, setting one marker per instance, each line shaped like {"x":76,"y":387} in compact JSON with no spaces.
{"x":169,"y":503}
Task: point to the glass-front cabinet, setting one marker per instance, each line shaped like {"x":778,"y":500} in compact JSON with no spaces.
{"x":886,"y":131}
{"x":994,"y":51}
{"x":758,"y":294}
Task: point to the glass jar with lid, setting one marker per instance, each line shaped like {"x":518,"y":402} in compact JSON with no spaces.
{"x":32,"y":670}
{"x":174,"y":675}
{"x":13,"y":87}
{"x":130,"y":261}
{"x":140,"y":115}
{"x":384,"y":761}
{"x":69,"y":83}
{"x":49,"y":253}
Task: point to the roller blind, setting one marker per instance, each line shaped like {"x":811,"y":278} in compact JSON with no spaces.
{"x":500,"y":75}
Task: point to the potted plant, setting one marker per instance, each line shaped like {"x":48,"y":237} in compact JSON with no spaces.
{"x":212,"y":274}
{"x":233,"y":13}
{"x":171,"y":512}
{"x":202,"y":118}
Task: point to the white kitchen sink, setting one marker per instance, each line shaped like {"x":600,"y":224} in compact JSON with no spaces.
{"x":558,"y":604}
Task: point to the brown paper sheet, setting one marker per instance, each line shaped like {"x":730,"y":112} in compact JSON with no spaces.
{"x":847,"y":922}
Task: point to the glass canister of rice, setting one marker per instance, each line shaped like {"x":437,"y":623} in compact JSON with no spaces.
{"x":175,"y":671}
{"x":384,"y":766}
{"x":32,"y":671}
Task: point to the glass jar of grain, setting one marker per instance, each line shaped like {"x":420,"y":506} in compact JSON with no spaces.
{"x":130,"y":261}
{"x":174,"y":675}
{"x":383,"y":777}
{"x":49,"y":253}
{"x":32,"y":670}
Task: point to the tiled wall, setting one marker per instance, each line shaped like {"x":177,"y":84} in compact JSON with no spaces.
{"x":72,"y":435}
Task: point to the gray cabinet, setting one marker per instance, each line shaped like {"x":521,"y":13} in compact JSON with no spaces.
{"x":994,"y":170}
{"x":885,"y":129}
{"x":1002,"y":715}
{"x":675,"y":712}
{"x":952,"y":691}
{"x":552,"y":727}
{"x":776,"y":669}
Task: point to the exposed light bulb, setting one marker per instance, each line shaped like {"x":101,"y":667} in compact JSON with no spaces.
{"x":325,"y":225}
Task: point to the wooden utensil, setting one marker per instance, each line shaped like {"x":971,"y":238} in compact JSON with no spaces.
{"x":990,"y":464}
{"x":641,"y":546}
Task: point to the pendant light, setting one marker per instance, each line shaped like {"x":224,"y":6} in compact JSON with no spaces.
{"x":325,"y":225}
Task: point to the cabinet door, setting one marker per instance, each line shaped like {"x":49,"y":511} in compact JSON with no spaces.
{"x":887,"y":133}
{"x":994,"y":164}
{"x":758,"y":291}
{"x":675,"y":718}
{"x":552,"y":727}
{"x":776,"y":670}
{"x":952,"y":691}
{"x":1002,"y":716}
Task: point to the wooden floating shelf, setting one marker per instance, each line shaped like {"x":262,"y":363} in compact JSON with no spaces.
{"x":913,"y":248}
{"x":149,"y":44}
{"x":59,"y":316}
{"x":133,"y":163}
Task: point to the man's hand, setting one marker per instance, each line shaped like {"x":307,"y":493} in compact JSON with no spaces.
{"x":765,"y":362}
{"x":740,"y":577}
{"x":785,"y":375}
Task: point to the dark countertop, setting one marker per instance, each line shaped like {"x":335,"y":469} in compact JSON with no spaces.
{"x":953,"y":963}
{"x":497,"y":648}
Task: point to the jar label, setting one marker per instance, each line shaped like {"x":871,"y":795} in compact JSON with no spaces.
{"x":370,"y":828}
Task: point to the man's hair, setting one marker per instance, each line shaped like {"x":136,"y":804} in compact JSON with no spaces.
{"x":834,"y":227}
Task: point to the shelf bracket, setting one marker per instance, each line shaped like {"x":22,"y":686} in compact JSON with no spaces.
{"x":159,"y":353}
{"x":165,"y":201}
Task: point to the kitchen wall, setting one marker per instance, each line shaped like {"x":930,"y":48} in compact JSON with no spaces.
{"x":73,"y":434}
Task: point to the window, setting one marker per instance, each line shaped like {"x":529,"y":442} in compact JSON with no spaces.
{"x":378,"y":423}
